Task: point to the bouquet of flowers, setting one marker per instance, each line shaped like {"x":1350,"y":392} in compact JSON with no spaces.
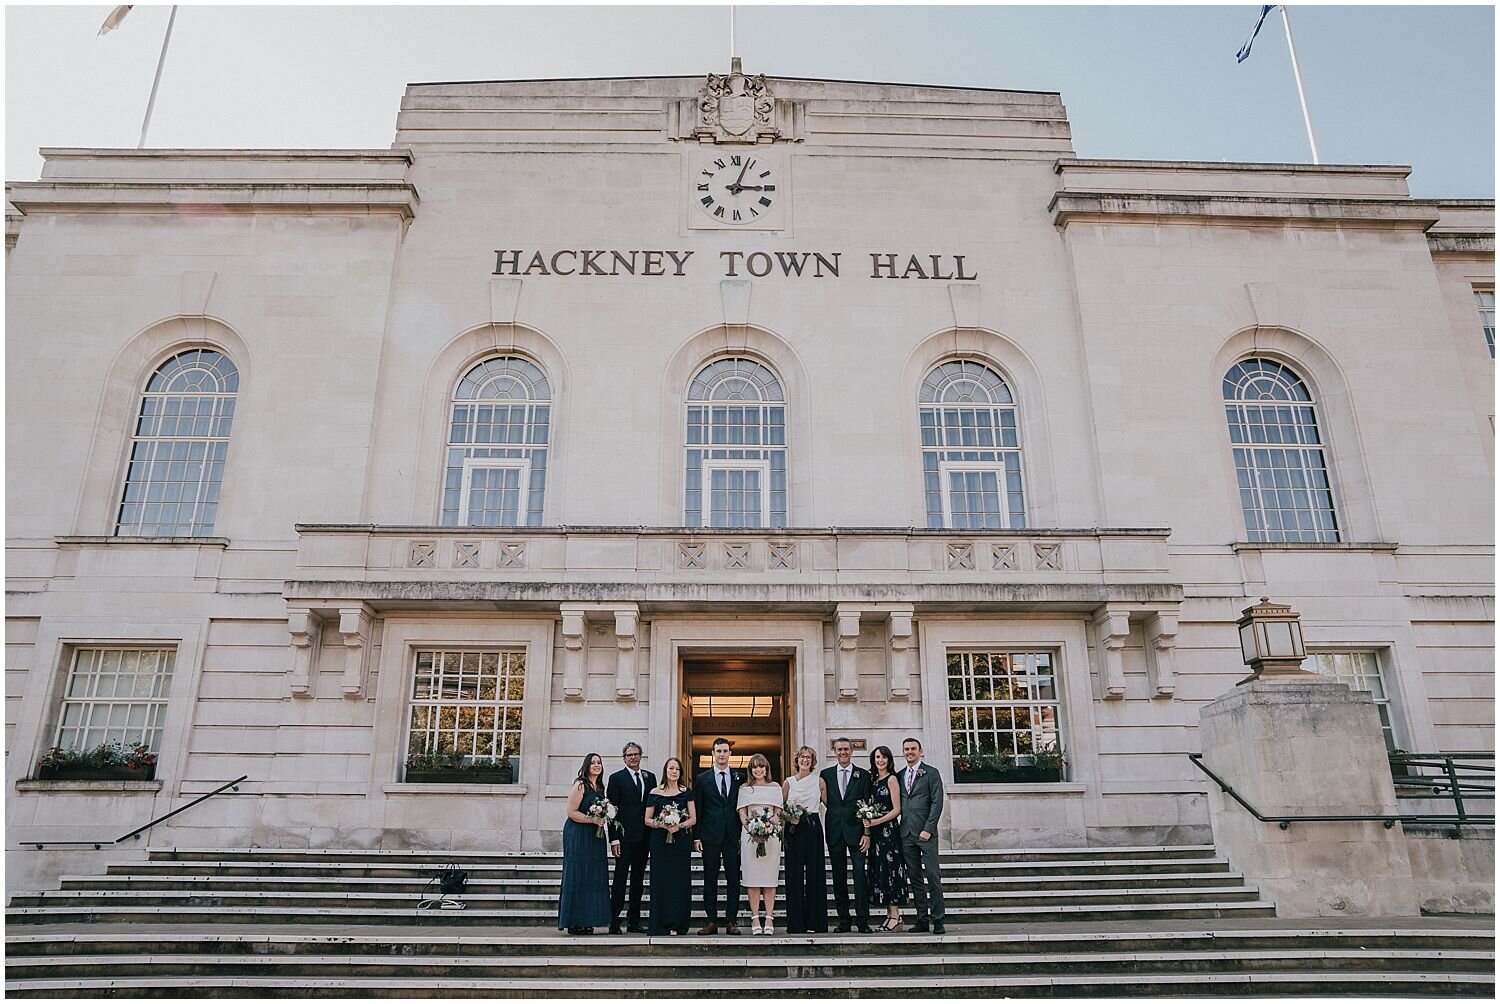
{"x":763,"y":825}
{"x":603,"y":812}
{"x":667,"y":816}
{"x":866,"y":810}
{"x":792,"y":814}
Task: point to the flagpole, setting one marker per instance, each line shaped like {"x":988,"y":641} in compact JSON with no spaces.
{"x":731,"y":33}
{"x":1297,"y":75}
{"x":151,"y":104}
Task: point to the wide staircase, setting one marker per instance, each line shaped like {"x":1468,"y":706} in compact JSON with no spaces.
{"x":1044,"y":922}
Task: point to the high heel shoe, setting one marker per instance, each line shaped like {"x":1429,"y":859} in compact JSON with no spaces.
{"x":755,"y":927}
{"x":892,"y":925}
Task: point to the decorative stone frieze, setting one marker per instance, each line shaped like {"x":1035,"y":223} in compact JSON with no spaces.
{"x":960,"y":556}
{"x":465,"y":555}
{"x":422,"y":554}
{"x":783,"y":556}
{"x":512,"y":554}
{"x":736,"y":556}
{"x":1048,"y":557}
{"x":691,"y":556}
{"x":1003,"y":557}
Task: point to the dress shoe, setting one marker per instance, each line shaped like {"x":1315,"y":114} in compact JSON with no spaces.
{"x":614,"y":929}
{"x":709,"y":928}
{"x":866,"y":929}
{"x":636,"y":928}
{"x":842,"y":929}
{"x":731,"y":929}
{"x":920,"y":927}
{"x":937,"y":928}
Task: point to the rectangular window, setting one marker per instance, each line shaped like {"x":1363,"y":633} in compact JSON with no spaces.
{"x":1485,"y":300}
{"x":494,"y":491}
{"x":116,"y":695}
{"x":737,"y":493}
{"x":973,"y":496}
{"x":1003,"y":703}
{"x":1360,"y":670}
{"x":467,"y":703}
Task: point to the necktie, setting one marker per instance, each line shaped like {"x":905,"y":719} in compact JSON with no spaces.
{"x":843,"y":781}
{"x":640,"y":786}
{"x":723,"y":785}
{"x":911,"y":776}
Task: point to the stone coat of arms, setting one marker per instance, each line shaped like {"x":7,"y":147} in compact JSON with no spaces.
{"x":735,"y":106}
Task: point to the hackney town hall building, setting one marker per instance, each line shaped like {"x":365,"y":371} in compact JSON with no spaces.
{"x":660,"y":409}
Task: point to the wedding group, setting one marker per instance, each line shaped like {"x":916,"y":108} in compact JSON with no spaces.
{"x":879,"y":824}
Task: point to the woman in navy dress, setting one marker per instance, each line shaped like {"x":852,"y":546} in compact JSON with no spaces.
{"x":671,"y":849}
{"x":584,"y":904}
{"x":886,"y":863}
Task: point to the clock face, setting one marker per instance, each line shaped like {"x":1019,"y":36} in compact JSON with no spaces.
{"x":736,"y":189}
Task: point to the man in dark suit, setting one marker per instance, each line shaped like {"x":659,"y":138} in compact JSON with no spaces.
{"x":921,"y":805}
{"x":631,"y":845}
{"x":844,"y":785}
{"x":716,"y":793}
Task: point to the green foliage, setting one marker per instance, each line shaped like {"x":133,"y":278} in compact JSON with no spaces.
{"x":104,"y":755}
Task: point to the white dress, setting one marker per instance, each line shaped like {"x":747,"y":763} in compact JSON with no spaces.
{"x":760,"y":872}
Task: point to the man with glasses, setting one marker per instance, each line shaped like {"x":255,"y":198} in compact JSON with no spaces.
{"x":631,"y":844}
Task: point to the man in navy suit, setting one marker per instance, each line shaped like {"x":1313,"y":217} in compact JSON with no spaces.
{"x":717,"y":837}
{"x":631,"y":845}
{"x":844,"y":786}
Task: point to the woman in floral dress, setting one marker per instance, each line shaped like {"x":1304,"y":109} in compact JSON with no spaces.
{"x":886,"y":864}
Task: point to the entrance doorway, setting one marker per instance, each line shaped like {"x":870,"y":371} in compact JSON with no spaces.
{"x":743,"y":699}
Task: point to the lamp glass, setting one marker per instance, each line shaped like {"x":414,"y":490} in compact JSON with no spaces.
{"x":1247,"y":641}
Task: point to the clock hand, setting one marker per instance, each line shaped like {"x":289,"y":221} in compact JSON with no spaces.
{"x":743,"y":168}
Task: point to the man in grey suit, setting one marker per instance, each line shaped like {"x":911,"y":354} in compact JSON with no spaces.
{"x":921,"y":805}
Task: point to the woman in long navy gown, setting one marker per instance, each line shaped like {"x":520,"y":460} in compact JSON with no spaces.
{"x":584,"y":904}
{"x":671,"y":883}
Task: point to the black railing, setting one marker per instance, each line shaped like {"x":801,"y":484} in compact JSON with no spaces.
{"x":1461,"y":775}
{"x":136,"y":833}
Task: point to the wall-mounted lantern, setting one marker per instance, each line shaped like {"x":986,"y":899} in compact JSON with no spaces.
{"x":1271,"y":641}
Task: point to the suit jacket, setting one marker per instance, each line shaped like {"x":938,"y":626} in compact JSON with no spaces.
{"x":841,"y":825}
{"x":631,"y":816}
{"x":718,"y":815}
{"x":921,"y":807}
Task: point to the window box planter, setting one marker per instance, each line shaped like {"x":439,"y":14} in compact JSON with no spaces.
{"x":1014,"y":775}
{"x":115,"y":772}
{"x":485,"y":775}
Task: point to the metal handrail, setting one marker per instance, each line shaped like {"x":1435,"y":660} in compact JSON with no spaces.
{"x":136,"y":833}
{"x":1459,"y":819}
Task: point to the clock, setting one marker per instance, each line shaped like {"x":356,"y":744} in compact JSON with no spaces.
{"x":736,"y":189}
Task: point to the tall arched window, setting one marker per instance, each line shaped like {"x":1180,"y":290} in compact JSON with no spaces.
{"x":971,"y":449}
{"x":1278,"y":454}
{"x":736,"y":447}
{"x":496,"y":466}
{"x":178,"y":450}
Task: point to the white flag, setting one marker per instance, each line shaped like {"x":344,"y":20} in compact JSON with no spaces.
{"x":115,"y":17}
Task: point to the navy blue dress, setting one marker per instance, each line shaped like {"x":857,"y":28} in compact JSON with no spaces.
{"x":671,"y":880}
{"x":585,"y":874}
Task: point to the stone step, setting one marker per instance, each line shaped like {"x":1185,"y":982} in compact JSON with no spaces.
{"x":544,"y":902}
{"x":487,"y":882}
{"x":1080,"y":940}
{"x":115,"y":912}
{"x":552,"y":868}
{"x":712,"y":970}
{"x":440,"y":857}
{"x":988,"y":985}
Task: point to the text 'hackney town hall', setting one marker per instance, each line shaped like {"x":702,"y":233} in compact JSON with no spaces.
{"x":660,"y":409}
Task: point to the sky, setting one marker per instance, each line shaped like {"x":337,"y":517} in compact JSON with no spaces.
{"x":1385,"y":84}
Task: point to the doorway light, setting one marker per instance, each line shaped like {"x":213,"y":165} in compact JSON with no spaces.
{"x":718,"y":706}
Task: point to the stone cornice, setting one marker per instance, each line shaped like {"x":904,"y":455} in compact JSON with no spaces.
{"x":680,"y":531}
{"x":202,"y":198}
{"x":1460,"y":244}
{"x":1202,"y":207}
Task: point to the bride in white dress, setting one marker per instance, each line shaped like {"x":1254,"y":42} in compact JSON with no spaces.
{"x":759,"y":873}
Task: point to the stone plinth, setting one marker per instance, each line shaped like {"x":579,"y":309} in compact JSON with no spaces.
{"x":1307,"y":747}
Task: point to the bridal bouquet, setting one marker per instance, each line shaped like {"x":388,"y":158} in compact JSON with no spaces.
{"x":603,"y":812}
{"x":866,"y":810}
{"x":792,"y":814}
{"x":667,"y":816}
{"x":763,"y":825}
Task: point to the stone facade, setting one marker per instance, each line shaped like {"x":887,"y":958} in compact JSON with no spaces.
{"x":552,"y":221}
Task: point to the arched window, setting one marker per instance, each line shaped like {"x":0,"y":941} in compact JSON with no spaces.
{"x":971,"y":449}
{"x":736,"y":447}
{"x":496,"y":466}
{"x":178,"y":450}
{"x":1278,"y":454}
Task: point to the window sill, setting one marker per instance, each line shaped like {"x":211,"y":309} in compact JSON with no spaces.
{"x":92,"y":787}
{"x":512,"y":790}
{"x":1002,"y":788}
{"x":127,"y":540}
{"x":1312,"y":545}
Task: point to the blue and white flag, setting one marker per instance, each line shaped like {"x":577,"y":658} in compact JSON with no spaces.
{"x":1244,"y":52}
